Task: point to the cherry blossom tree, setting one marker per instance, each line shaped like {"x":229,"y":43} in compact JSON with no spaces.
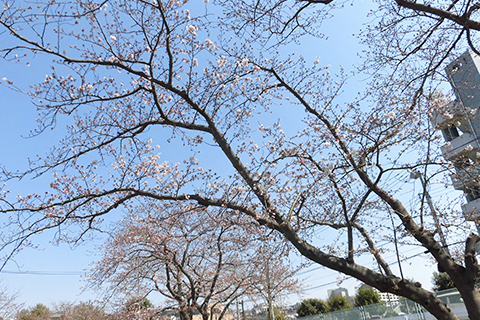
{"x":459,"y":17}
{"x":79,"y":311}
{"x":144,"y":314}
{"x":260,"y":132}
{"x":274,"y":278}
{"x":138,"y":308}
{"x":199,"y":260}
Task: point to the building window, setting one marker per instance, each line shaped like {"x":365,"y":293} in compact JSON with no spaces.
{"x":450,"y":133}
{"x":472,"y":193}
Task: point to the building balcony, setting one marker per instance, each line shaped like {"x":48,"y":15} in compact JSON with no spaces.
{"x":471,"y":210}
{"x":464,"y":145}
{"x":466,"y":178}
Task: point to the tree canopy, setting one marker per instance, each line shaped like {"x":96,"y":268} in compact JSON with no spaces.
{"x":200,"y":262}
{"x":217,"y":107}
{"x":309,"y":307}
{"x":442,"y":281}
{"x":138,"y":303}
{"x":365,"y":296}
{"x":79,"y":311}
{"x":37,"y":312}
{"x":338,"y":302}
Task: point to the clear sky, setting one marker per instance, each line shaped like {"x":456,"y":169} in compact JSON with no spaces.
{"x":53,"y":273}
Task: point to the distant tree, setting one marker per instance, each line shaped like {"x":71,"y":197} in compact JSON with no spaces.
{"x":312,"y":306}
{"x":81,"y":311}
{"x":87,"y":311}
{"x":146,"y":314}
{"x":23,"y":314}
{"x":63,"y":307}
{"x":338,"y":302}
{"x":134,"y":308}
{"x":202,"y":263}
{"x":138,"y":303}
{"x":273,"y":278}
{"x":8,"y":305}
{"x":279,"y":314}
{"x":365,"y":296}
{"x":38,"y":312}
{"x":442,"y":281}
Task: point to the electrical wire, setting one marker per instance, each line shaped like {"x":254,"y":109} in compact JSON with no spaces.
{"x":44,"y":273}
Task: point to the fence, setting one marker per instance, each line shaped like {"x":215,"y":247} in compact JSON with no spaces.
{"x":402,"y":309}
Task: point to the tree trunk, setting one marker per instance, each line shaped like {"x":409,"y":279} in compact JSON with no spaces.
{"x":271,"y":315}
{"x":471,"y":298}
{"x":206,"y":316}
{"x":184,"y":315}
{"x":392,"y":284}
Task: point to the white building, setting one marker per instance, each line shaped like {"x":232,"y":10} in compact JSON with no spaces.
{"x":390,"y":299}
{"x":459,"y":121}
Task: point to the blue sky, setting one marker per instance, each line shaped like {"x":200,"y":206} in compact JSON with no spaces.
{"x":52,"y":274}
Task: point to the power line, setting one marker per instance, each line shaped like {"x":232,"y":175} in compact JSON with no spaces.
{"x":44,"y":273}
{"x":350,"y":277}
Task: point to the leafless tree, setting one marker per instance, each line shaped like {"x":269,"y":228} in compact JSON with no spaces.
{"x":9,"y":305}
